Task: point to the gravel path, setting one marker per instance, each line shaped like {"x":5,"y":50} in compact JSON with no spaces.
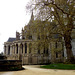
{"x":35,"y":70}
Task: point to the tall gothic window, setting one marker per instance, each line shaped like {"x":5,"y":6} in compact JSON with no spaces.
{"x":44,"y":50}
{"x":38,"y":48}
{"x":56,"y":45}
{"x":38,"y":51}
{"x":17,"y":48}
{"x":47,"y":51}
{"x":56,"y":54}
{"x":25,"y":47}
{"x":30,"y":47}
{"x":9,"y":50}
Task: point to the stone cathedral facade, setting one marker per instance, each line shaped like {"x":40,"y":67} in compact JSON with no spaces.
{"x":31,"y":45}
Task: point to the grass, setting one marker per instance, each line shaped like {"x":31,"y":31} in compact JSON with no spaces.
{"x":60,"y":66}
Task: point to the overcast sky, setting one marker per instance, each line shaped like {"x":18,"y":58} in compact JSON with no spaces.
{"x":13,"y":17}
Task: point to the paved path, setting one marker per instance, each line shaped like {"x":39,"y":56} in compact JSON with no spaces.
{"x":35,"y":70}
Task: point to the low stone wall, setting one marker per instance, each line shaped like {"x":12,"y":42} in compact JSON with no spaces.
{"x":6,"y":65}
{"x":3,"y":57}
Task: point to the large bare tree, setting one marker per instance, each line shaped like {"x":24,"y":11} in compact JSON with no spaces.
{"x":63,"y":13}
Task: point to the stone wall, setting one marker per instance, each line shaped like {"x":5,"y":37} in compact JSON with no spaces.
{"x":6,"y":65}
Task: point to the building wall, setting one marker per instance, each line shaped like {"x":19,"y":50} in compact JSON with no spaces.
{"x":33,"y":55}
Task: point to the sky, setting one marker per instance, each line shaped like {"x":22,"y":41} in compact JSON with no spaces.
{"x":13,"y":17}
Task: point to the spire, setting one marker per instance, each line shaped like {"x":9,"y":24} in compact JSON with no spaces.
{"x":32,"y":19}
{"x":32,"y":16}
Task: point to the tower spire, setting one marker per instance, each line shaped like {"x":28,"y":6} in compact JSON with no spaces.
{"x":32,"y":19}
{"x":32,"y":16}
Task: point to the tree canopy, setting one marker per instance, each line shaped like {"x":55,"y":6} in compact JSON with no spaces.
{"x":62,"y":12}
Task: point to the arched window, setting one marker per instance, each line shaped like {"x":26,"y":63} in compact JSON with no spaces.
{"x":9,"y":50}
{"x":25,"y":47}
{"x":38,"y":48}
{"x":30,"y":47}
{"x":47,"y":51}
{"x":56,"y":54}
{"x":44,"y":50}
{"x":38,"y":51}
{"x":56,"y":45}
{"x":17,"y":48}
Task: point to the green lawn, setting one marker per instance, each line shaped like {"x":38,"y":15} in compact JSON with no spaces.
{"x":60,"y":66}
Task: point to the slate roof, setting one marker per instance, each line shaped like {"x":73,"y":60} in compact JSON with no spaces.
{"x":11,"y":39}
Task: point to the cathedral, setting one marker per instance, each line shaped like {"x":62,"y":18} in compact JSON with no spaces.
{"x":37,"y":44}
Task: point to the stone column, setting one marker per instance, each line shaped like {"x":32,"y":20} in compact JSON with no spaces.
{"x":15,"y":49}
{"x":19,"y":48}
{"x":28,"y":48}
{"x":11,"y":52}
{"x":6,"y":49}
{"x":19,"y":52}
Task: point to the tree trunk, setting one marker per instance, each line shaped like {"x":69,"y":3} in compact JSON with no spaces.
{"x":67,"y":38}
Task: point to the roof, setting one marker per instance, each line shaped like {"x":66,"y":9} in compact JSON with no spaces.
{"x":11,"y":39}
